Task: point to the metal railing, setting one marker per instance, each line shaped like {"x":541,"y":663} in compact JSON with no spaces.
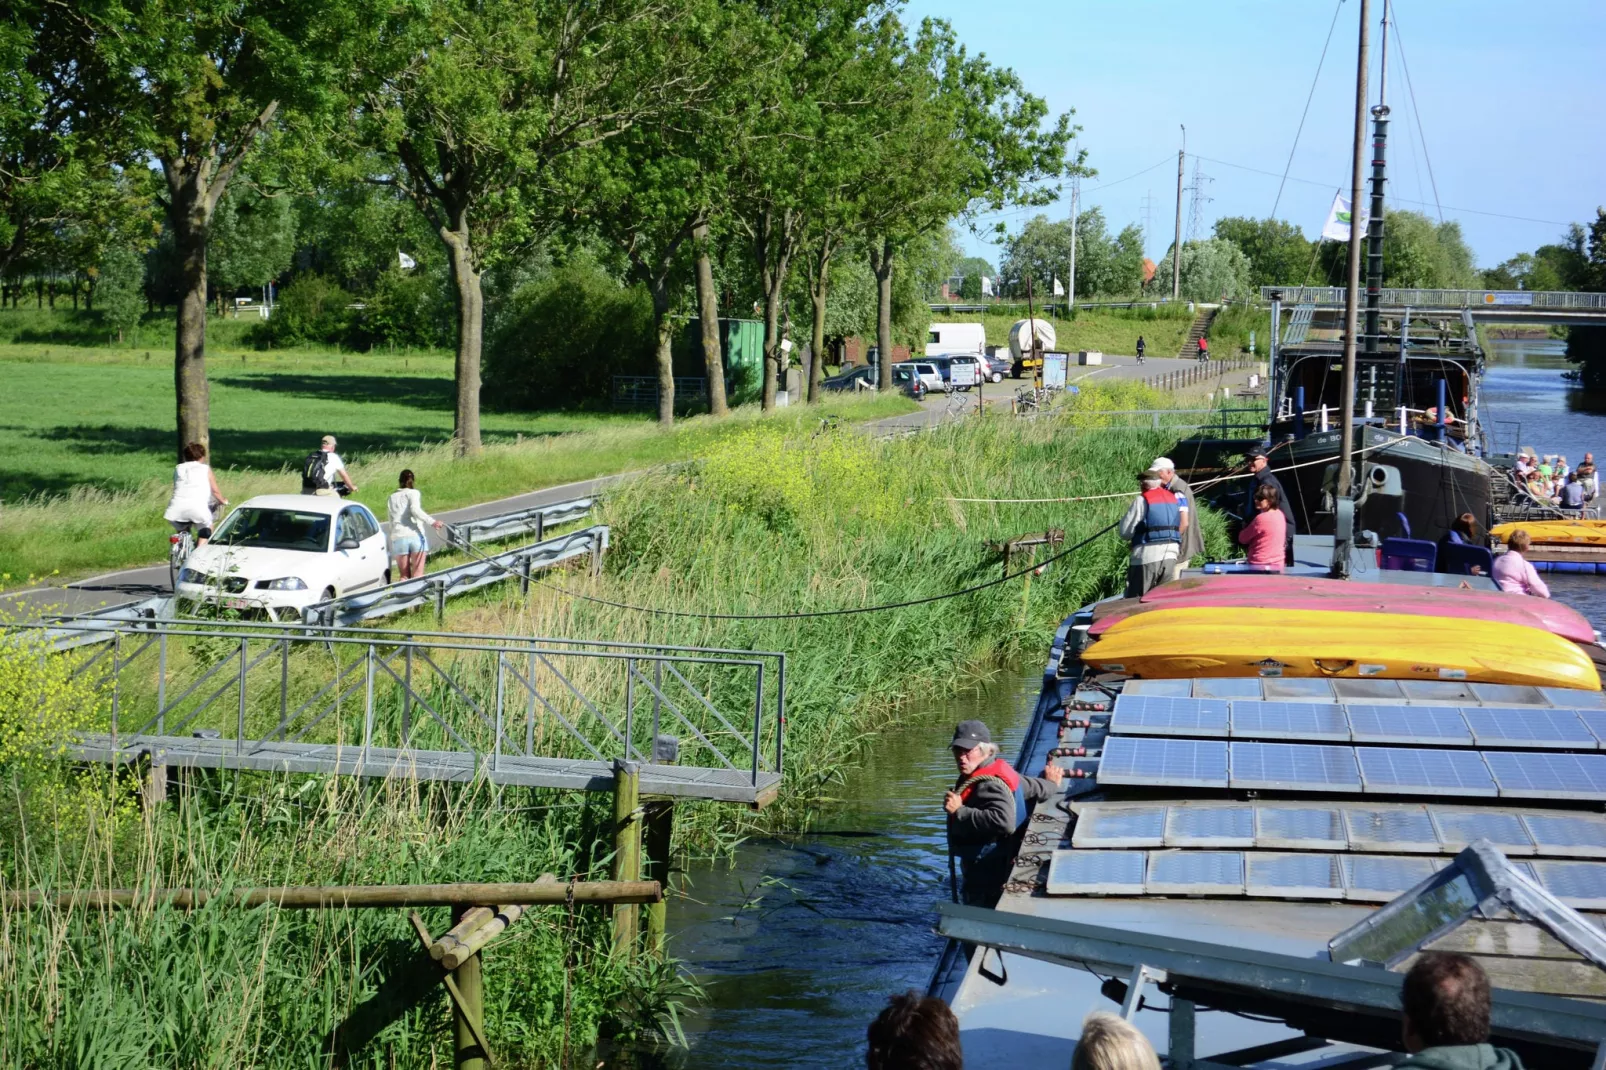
{"x":517,"y":710}
{"x":641,"y":392}
{"x":532,"y":521}
{"x":436,"y":587}
{"x":1333,"y":296}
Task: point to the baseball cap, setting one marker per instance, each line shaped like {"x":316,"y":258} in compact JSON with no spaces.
{"x":1162,"y":463}
{"x":1257,"y":452}
{"x":968,"y":734}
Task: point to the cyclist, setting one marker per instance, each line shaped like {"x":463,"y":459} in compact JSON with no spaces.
{"x":1140,"y":349}
{"x":1204,"y":348}
{"x":194,"y":491}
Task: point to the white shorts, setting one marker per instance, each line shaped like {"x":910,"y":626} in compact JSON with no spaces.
{"x":199,"y":515}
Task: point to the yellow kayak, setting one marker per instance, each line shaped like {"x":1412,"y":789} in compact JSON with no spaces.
{"x":1582,"y":532}
{"x":1211,"y":641}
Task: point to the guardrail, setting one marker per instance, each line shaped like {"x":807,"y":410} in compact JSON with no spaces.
{"x":520,"y":710}
{"x":520,"y":522}
{"x":436,"y":587}
{"x":1425,"y":299}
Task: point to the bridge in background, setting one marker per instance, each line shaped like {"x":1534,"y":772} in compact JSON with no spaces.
{"x":1484,"y":306}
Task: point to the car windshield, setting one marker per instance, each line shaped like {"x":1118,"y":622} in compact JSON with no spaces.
{"x":276,"y":529}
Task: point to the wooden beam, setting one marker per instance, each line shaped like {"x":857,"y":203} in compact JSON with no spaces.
{"x":355,"y":896}
{"x":626,"y":849}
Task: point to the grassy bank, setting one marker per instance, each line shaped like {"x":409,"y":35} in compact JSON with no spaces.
{"x":90,"y":529}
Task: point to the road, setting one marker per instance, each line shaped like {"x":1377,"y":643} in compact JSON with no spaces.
{"x":134,"y":584}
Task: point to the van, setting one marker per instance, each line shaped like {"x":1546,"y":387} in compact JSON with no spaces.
{"x":950,"y":339}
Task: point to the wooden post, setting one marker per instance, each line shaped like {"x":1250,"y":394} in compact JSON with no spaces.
{"x":468,"y":1013}
{"x":626,"y":847}
{"x":153,"y":787}
{"x":660,"y":833}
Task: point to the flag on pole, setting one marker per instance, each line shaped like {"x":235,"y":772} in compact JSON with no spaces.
{"x":1338,"y":220}
{"x":986,"y":286}
{"x":407,"y":262}
{"x":1059,"y":287}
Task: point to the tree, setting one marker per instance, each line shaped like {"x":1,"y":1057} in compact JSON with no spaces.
{"x":481,"y":106}
{"x":196,"y":84}
{"x":1278,"y":252}
{"x":1212,"y":270}
{"x":120,"y":289}
{"x":1105,"y":264}
{"x":1417,"y":254}
{"x":253,"y":240}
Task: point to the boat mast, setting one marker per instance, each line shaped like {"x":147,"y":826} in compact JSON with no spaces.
{"x":1374,"y":225}
{"x":1343,"y":532}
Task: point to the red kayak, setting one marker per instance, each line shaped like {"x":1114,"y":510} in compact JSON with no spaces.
{"x":1303,"y":592}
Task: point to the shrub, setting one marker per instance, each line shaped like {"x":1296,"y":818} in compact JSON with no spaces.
{"x":312,"y":309}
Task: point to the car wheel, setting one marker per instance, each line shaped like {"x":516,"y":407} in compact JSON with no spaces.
{"x":998,"y":377}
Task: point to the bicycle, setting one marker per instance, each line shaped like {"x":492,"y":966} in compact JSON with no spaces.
{"x":180,"y":545}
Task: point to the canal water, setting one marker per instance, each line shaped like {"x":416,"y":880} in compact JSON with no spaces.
{"x":799,"y":941}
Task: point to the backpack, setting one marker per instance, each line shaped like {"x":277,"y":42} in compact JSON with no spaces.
{"x":312,"y":474}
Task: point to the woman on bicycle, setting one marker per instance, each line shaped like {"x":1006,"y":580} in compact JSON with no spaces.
{"x":194,"y":491}
{"x":408,"y":545}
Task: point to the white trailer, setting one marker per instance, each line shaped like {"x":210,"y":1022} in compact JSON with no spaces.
{"x":954,"y":339}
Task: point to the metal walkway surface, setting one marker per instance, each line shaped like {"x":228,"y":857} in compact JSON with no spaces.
{"x":443,"y":706}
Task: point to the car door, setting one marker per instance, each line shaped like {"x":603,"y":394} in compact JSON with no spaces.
{"x":360,"y":567}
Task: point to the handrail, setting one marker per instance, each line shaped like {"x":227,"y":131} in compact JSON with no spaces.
{"x":1429,"y":299}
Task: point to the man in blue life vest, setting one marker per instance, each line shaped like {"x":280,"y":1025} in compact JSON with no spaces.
{"x":1155,"y":524}
{"x":987,"y":810}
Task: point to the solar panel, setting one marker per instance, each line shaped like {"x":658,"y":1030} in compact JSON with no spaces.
{"x":1119,"y":826}
{"x":1294,"y":766}
{"x":1153,"y":716}
{"x":1227,"y":687}
{"x":1513,"y":726}
{"x":1289,"y":720}
{"x":1182,"y":763}
{"x":1566,"y":696}
{"x":1305,"y":828}
{"x":1297,"y":689}
{"x":1419,"y":771}
{"x":1581,"y":885}
{"x":1458,"y":828}
{"x":1195,"y":873}
{"x":1294,"y":876}
{"x":1164,"y":688}
{"x":1415,"y":725}
{"x":1377,"y":879}
{"x":1210,"y":826}
{"x":1573,"y":835}
{"x":1509,"y":695}
{"x":1595,"y":721}
{"x":1365,"y":690}
{"x":1406,"y":829}
{"x":1548,"y":776}
{"x":1442,"y":692}
{"x":1096,"y":873}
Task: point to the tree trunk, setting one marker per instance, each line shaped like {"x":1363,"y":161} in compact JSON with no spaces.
{"x":470,"y":332}
{"x":666,"y":360}
{"x":773,"y":246}
{"x":708,"y":316}
{"x":881,"y":265}
{"x":817,"y":294}
{"x":191,"y":222}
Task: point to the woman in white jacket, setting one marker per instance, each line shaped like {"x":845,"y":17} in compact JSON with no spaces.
{"x":408,"y":546}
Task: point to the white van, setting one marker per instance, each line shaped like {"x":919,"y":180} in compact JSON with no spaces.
{"x":953,"y":339}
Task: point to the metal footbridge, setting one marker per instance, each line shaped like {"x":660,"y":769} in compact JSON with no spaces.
{"x":440,"y":706}
{"x":1484,"y":306}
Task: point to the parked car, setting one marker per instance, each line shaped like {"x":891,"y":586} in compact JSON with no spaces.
{"x":928,"y":371}
{"x":278,"y":553}
{"x":979,"y":375}
{"x":997,"y":365}
{"x":866,"y":374}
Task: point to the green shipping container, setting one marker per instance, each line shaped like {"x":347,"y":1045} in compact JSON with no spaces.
{"x":742,"y":343}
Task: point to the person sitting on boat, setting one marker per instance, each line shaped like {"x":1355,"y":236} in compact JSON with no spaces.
{"x":1192,"y":533}
{"x":1463,"y":532}
{"x":1561,"y":469}
{"x":1587,"y":476}
{"x":1525,"y":465}
{"x":1514,"y":573}
{"x":1154,"y":524}
{"x":1572,"y":494}
{"x":989,"y":803}
{"x":1266,"y":534}
{"x":914,"y":1032}
{"x":1445,"y":1009}
{"x":1110,"y":1042}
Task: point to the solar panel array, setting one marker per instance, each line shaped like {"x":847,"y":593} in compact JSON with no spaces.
{"x":1533,"y":727}
{"x":1371,"y":878}
{"x":1341,"y":827}
{"x":1209,"y":763}
{"x":1367,"y":689}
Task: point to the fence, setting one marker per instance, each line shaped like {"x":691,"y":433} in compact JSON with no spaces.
{"x":1200,"y":372}
{"x":641,"y":392}
{"x":1425,"y":299}
{"x":519,"y":710}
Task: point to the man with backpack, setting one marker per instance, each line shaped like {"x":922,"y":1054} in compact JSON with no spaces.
{"x":323,"y":469}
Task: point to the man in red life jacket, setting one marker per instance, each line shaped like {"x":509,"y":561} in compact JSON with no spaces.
{"x":987,"y":808}
{"x":1154,"y":524}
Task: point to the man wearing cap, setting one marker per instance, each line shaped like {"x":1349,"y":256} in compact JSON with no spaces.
{"x":1260,"y":465}
{"x":988,"y":805}
{"x":1192,"y":534}
{"x":323,"y":469}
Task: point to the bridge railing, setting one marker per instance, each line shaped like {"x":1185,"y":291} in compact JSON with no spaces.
{"x":1333,"y":296}
{"x":432,"y":705}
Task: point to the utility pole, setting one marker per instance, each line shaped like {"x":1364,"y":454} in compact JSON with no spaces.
{"x":1176,"y":247}
{"x":1070,"y":286}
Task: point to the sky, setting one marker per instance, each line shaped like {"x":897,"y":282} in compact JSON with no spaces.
{"x":1512,"y":122}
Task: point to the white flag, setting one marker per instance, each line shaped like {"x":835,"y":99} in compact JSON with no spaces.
{"x":407,"y":262}
{"x":986,"y":286}
{"x":1059,"y":288}
{"x":1338,"y":220}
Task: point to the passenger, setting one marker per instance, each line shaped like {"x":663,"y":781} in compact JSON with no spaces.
{"x":409,"y":545}
{"x":1463,"y":532}
{"x":1266,"y":534}
{"x":1153,"y":525}
{"x":1525,"y":465}
{"x":1588,"y":477}
{"x":1110,"y":1042}
{"x":1444,"y":1024}
{"x":1573,"y":495}
{"x":915,"y":1032}
{"x":1561,"y":467}
{"x":194,"y":491}
{"x":1260,"y":465}
{"x":321,"y":474}
{"x":1192,"y":533}
{"x":1513,"y":572}
{"x":986,"y":807}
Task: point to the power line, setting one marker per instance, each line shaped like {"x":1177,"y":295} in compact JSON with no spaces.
{"x":1399,"y":43}
{"x":1308,"y":98}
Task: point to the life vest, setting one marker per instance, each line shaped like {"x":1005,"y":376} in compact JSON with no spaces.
{"x":1162,"y":518}
{"x":997,"y":769}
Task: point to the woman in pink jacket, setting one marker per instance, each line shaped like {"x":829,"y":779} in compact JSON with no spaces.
{"x":1513,"y":572}
{"x":1267,"y":531}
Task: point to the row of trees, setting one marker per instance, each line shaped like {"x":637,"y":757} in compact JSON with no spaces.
{"x":678,"y":134}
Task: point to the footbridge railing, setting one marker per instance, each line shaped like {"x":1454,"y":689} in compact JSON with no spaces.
{"x":1333,"y":296}
{"x":515,"y":710}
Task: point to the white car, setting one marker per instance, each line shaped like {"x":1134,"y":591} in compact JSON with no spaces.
{"x":280,"y":553}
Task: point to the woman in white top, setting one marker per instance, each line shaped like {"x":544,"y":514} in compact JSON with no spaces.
{"x":194,"y":491}
{"x":407,"y":519}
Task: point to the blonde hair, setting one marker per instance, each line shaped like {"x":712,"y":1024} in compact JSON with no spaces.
{"x":1110,"y":1042}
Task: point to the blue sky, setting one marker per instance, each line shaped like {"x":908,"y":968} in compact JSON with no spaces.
{"x":1511,"y":95}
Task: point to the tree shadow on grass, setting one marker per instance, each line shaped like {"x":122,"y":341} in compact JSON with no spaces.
{"x":413,"y":391}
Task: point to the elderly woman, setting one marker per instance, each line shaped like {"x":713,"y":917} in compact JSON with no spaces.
{"x":1514,"y":573}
